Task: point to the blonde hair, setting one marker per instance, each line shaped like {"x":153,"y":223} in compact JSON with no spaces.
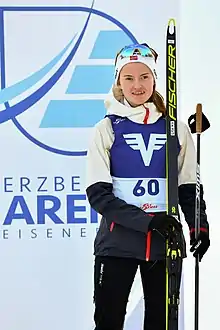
{"x":156,"y":98}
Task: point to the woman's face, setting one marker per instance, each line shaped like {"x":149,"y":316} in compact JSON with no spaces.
{"x":137,"y":82}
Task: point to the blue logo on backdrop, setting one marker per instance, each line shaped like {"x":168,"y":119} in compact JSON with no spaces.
{"x":91,"y":80}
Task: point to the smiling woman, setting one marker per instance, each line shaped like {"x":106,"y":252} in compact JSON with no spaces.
{"x":137,"y":82}
{"x":126,"y":184}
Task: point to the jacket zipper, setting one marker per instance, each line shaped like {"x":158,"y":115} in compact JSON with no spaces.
{"x":148,"y":245}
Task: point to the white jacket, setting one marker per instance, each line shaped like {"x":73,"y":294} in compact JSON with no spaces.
{"x":98,"y":157}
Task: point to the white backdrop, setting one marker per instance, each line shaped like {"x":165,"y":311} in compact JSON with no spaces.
{"x":200,"y":71}
{"x":46,"y":273}
{"x":51,"y":62}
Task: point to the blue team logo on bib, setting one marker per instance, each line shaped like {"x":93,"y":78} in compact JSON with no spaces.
{"x":136,"y":142}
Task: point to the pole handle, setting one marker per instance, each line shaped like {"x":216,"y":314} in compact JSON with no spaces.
{"x":199,"y":118}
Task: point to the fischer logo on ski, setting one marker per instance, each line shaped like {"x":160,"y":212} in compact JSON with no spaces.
{"x":173,"y":241}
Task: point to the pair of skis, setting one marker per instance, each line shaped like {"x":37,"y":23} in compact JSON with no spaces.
{"x":198,"y":123}
{"x":173,"y":251}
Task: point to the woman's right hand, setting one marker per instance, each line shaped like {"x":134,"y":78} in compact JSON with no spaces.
{"x":164,"y":223}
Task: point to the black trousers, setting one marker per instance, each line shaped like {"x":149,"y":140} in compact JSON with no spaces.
{"x":113,"y":279}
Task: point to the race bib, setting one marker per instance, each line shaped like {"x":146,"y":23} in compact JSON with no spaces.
{"x":148,"y":194}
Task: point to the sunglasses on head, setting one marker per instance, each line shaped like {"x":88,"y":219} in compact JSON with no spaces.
{"x":134,"y":50}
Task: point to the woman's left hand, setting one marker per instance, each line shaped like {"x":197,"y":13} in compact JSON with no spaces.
{"x":200,"y":245}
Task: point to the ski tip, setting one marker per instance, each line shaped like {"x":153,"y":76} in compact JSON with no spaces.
{"x":171,"y":23}
{"x":171,"y":26}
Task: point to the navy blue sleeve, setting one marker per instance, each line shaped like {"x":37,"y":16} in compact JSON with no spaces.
{"x":187,"y":195}
{"x":104,"y":202}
